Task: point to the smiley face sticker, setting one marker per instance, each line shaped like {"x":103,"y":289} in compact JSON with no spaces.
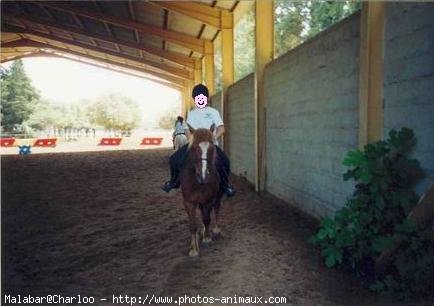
{"x":201,"y":101}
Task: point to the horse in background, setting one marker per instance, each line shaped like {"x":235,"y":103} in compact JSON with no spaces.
{"x":179,"y":141}
{"x":200,"y":186}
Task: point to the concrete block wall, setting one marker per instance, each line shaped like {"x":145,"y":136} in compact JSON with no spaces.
{"x":312,"y":107}
{"x":312,"y":119}
{"x":409,"y":77}
{"x":241,"y":127}
{"x":216,"y":101}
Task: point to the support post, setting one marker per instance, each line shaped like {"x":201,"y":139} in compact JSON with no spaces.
{"x":227,"y":32}
{"x":371,"y":72}
{"x":183,"y":103}
{"x":209,"y":67}
{"x":186,"y":101}
{"x":197,"y":71}
{"x":264,"y":54}
{"x":189,"y":100}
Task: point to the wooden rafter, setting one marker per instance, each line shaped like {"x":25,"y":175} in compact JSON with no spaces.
{"x":165,"y":68}
{"x":45,"y":45}
{"x":79,"y":23}
{"x":202,"y":12}
{"x":16,"y":56}
{"x":165,"y":26}
{"x":179,"y":38}
{"x":133,"y":17}
{"x":47,"y":12}
{"x":168,"y":55}
{"x":106,"y":25}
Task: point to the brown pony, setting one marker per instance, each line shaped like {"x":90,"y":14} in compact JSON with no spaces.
{"x":200,"y":186}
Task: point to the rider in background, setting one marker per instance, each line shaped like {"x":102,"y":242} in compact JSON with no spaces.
{"x":179,"y":129}
{"x":202,"y":116}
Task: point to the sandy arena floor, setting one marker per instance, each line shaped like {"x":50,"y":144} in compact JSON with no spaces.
{"x":97,"y":224}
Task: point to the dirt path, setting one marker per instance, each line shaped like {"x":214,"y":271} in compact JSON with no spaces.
{"x":97,"y":224}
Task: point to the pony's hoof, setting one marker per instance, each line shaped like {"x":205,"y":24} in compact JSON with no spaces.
{"x":193,"y":253}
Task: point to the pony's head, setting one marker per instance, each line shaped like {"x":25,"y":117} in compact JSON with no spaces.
{"x":203,"y":153}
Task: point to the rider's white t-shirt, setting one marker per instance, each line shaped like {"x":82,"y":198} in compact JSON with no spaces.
{"x":204,"y":118}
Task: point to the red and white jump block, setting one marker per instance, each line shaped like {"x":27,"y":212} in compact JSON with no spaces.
{"x":110,"y":141}
{"x":153,"y":141}
{"x":45,"y":142}
{"x":7,"y":142}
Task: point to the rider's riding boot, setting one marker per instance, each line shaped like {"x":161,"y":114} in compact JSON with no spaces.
{"x":169,"y":185}
{"x":229,"y":190}
{"x":173,"y":183}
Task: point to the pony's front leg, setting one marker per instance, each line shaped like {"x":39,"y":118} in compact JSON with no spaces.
{"x":215,"y":216}
{"x":206,"y":218}
{"x":194,"y":245}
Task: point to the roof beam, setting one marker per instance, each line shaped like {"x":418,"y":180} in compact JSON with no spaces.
{"x":20,"y":43}
{"x":202,"y":12}
{"x":182,"y":73}
{"x":177,"y":58}
{"x":16,"y":56}
{"x":179,"y":38}
{"x":47,"y":12}
{"x":45,"y":45}
{"x":133,"y":17}
{"x":165,"y":26}
{"x":79,"y":23}
{"x":107,"y":26}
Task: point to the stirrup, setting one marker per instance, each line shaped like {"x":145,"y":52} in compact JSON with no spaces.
{"x":229,"y":191}
{"x":168,"y":186}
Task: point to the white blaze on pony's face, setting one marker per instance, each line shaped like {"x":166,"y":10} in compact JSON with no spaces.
{"x":204,"y":146}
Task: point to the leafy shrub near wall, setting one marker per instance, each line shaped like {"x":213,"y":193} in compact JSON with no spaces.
{"x":374,"y":219}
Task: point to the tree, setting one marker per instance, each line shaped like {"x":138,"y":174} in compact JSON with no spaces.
{"x":114,"y":112}
{"x":218,"y":69}
{"x":52,"y":117}
{"x":290,"y":23}
{"x":18,"y":96}
{"x":167,"y":121}
{"x":244,"y":46}
{"x":297,"y":21}
{"x":323,"y":14}
{"x":44,"y":116}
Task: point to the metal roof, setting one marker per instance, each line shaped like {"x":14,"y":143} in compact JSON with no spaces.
{"x":163,"y":39}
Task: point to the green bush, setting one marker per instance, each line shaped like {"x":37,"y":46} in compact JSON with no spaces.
{"x":375,"y":217}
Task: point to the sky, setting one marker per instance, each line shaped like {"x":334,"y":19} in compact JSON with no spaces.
{"x":65,"y":81}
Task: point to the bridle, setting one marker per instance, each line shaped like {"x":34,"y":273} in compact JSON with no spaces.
{"x":205,"y":158}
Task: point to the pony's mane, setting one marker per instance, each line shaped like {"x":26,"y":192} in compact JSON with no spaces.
{"x":200,"y":135}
